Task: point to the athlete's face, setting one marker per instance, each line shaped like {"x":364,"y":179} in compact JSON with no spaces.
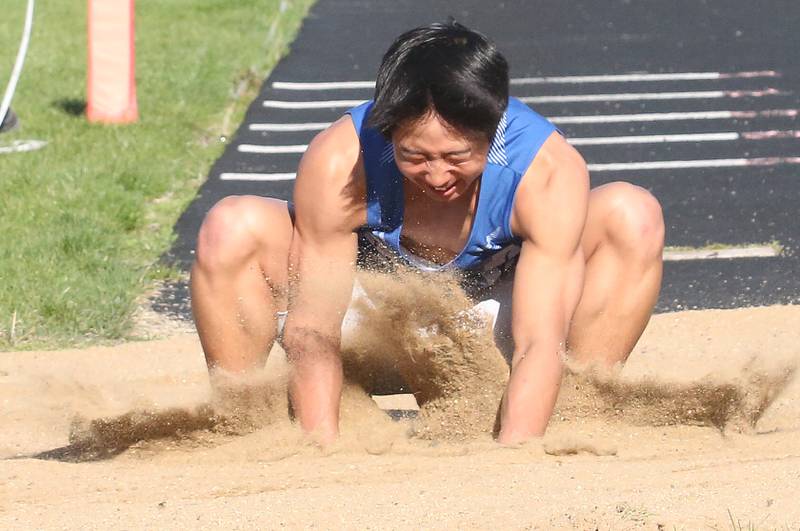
{"x":441,"y":161}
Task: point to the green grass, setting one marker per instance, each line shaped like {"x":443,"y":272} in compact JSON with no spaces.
{"x":84,"y":221}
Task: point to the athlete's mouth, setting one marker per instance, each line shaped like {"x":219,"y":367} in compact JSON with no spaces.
{"x":444,"y":187}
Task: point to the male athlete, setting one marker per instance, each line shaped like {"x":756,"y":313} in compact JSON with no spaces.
{"x":442,"y":170}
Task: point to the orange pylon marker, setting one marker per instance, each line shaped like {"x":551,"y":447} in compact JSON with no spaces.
{"x":111,"y":83}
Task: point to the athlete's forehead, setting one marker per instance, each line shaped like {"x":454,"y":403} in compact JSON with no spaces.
{"x":431,"y":134}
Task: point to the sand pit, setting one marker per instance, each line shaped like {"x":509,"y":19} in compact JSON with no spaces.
{"x":700,"y":429}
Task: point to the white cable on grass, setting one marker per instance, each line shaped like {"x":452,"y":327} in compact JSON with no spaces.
{"x":20,"y":146}
{"x":23,"y":50}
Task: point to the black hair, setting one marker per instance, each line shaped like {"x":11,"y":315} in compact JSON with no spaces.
{"x":446,"y":68}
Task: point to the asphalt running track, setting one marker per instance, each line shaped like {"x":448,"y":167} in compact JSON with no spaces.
{"x":695,"y":100}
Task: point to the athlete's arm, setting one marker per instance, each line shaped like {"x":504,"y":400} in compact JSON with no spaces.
{"x":321,"y":268}
{"x":549,"y":215}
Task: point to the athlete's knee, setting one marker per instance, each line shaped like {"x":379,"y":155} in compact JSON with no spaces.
{"x":229,"y":233}
{"x":636,"y":222}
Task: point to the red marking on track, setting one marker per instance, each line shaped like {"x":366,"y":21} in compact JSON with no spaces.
{"x":760,"y":73}
{"x":764,"y":135}
{"x":773,"y":161}
{"x":790,"y":113}
{"x":753,"y":93}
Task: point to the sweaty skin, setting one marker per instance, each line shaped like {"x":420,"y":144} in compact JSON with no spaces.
{"x":442,"y":169}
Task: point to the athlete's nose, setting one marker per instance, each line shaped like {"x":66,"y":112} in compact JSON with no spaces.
{"x":434,"y":177}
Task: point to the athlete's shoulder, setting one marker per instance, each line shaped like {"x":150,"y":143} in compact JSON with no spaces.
{"x":374,"y":146}
{"x":330,"y":178}
{"x":522,"y":115}
{"x":556,"y":184}
{"x":359,"y":115}
{"x":334,"y":151}
{"x":520,"y":135}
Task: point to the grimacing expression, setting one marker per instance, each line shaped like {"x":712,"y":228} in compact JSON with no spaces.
{"x":440,"y":160}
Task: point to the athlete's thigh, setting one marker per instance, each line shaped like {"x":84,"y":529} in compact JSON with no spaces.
{"x":274,"y":226}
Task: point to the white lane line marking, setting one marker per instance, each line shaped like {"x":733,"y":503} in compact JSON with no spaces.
{"x":257,"y":176}
{"x":681,"y":164}
{"x":588,"y":119}
{"x":673,"y":116}
{"x":326,"y":104}
{"x":642,"y":96}
{"x":691,"y":137}
{"x":586,"y":141}
{"x":602,"y":78}
{"x":653,"y":139}
{"x":625,"y":78}
{"x":308,"y":126}
{"x":564,"y":98}
{"x":255,"y":148}
{"x":322,"y":85}
{"x":282,"y":128}
{"x":755,"y":251}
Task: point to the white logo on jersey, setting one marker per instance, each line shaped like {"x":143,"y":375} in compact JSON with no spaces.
{"x":491,"y":239}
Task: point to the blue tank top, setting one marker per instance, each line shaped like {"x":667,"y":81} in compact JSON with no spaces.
{"x":519,"y":136}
